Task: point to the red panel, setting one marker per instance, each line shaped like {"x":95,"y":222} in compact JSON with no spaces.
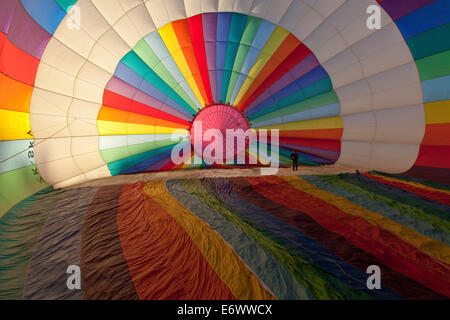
{"x":389,"y":249}
{"x":183,"y":34}
{"x":426,"y":193}
{"x":17,"y":64}
{"x":298,"y":55}
{"x":319,"y":143}
{"x":196,"y":27}
{"x":114,"y":100}
{"x":161,"y":266}
{"x":437,"y":134}
{"x":434,"y":156}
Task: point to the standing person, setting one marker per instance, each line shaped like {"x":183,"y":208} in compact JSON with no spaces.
{"x":294,"y":157}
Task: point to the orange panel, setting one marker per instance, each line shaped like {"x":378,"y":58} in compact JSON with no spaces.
{"x":287,"y":46}
{"x":15,"y":95}
{"x":182,"y":32}
{"x":437,"y":134}
{"x":112,"y":114}
{"x":330,"y":134}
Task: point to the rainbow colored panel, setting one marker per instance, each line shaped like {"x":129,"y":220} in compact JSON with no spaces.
{"x":305,"y":237}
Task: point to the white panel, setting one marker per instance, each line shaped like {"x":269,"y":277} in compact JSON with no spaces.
{"x":129,"y":4}
{"x":97,"y":173}
{"x":209,"y":5}
{"x":52,"y":79}
{"x":70,"y":182}
{"x":355,"y":98}
{"x":84,"y":145}
{"x":396,"y":87}
{"x":359,"y":127}
{"x":103,"y":58}
{"x":355,"y":154}
{"x":325,"y":7}
{"x":192,"y":7}
{"x":158,"y":12}
{"x":128,"y":31}
{"x":88,"y":161}
{"x":142,"y":20}
{"x":52,"y":149}
{"x":44,"y":102}
{"x":226,"y":5}
{"x":277,"y":10}
{"x":243,"y":6}
{"x":325,"y":42}
{"x":111,"y":10}
{"x":58,"y":170}
{"x":86,"y":114}
{"x":91,"y":20}
{"x":260,"y":8}
{"x":175,"y":9}
{"x":344,"y":68}
{"x":382,"y":50}
{"x":296,"y":13}
{"x":91,"y":83}
{"x":76,"y":39}
{"x":405,"y":125}
{"x":45,"y":126}
{"x":114,"y":44}
{"x":393,"y":158}
{"x":61,"y":57}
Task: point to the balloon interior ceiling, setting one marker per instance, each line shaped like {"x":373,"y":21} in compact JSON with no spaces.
{"x":108,"y":97}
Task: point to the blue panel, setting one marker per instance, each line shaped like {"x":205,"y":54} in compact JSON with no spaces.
{"x":436,"y":89}
{"x":45,"y":12}
{"x":428,"y":17}
{"x":223,"y":28}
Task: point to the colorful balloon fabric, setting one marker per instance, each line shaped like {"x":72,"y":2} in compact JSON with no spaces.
{"x":306,"y":237}
{"x":96,"y":88}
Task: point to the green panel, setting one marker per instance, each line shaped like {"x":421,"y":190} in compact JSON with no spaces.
{"x":324,"y":99}
{"x":17,"y":185}
{"x":65,"y":4}
{"x":435,"y":66}
{"x":246,"y":41}
{"x":237,"y":27}
{"x":427,"y":43}
{"x":115,"y":154}
{"x":134,"y":62}
{"x":143,"y":50}
{"x":298,"y":98}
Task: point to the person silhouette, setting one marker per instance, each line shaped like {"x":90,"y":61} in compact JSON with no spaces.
{"x":294,"y":157}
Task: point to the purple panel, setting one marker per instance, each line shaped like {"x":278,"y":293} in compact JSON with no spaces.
{"x":302,"y":68}
{"x":331,"y":155}
{"x":158,"y":165}
{"x":209,"y":34}
{"x":27,"y":34}
{"x":399,"y":8}
{"x":120,"y":87}
{"x":430,"y":174}
{"x":7,"y":8}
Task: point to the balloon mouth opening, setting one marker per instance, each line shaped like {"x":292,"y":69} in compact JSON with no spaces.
{"x":218,"y":133}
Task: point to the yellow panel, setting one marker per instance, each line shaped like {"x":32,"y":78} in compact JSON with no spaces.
{"x":170,"y":39}
{"x":437,"y":112}
{"x":222,"y":258}
{"x":275,"y":40}
{"x":429,"y":246}
{"x":120,"y":128}
{"x":325,"y":123}
{"x":14,"y":125}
